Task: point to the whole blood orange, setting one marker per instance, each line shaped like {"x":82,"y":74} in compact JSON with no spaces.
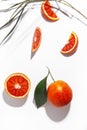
{"x":71,"y":46}
{"x":36,"y":39}
{"x":47,"y":11}
{"x":59,"y":93}
{"x":17,"y":85}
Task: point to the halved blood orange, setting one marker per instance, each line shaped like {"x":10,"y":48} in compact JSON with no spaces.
{"x":48,"y":12}
{"x":71,"y":46}
{"x":17,"y":85}
{"x":36,"y":39}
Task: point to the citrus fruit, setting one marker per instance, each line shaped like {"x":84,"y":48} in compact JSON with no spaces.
{"x":17,"y":85}
{"x":71,"y":46}
{"x":36,"y":39}
{"x":48,"y":12}
{"x":59,"y":93}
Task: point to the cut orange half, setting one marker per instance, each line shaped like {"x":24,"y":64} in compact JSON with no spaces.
{"x":36,"y":39}
{"x":48,"y":12}
{"x":71,"y":46}
{"x":17,"y":85}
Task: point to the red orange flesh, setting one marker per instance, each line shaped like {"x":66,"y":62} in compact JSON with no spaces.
{"x":71,"y":46}
{"x":17,"y":85}
{"x":48,"y":12}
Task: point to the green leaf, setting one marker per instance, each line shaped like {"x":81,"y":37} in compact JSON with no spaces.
{"x":40,"y":94}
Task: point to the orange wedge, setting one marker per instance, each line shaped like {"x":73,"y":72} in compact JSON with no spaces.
{"x":48,"y":12}
{"x":17,"y":85}
{"x":36,"y":39}
{"x":71,"y":46}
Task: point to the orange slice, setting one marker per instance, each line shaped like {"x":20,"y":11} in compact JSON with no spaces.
{"x":36,"y":39}
{"x":17,"y":85}
{"x":47,"y":11}
{"x":71,"y":46}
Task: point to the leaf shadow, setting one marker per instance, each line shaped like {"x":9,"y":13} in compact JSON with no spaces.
{"x":56,"y":114}
{"x":13,"y":101}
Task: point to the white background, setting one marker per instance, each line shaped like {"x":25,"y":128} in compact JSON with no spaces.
{"x":15,"y":56}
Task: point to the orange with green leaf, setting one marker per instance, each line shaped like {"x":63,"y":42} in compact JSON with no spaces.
{"x":59,"y":93}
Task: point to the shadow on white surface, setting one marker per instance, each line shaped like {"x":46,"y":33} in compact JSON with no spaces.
{"x":56,"y":114}
{"x":12,"y":101}
{"x":32,"y":54}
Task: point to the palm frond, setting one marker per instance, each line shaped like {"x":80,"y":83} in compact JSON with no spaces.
{"x":13,"y":28}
